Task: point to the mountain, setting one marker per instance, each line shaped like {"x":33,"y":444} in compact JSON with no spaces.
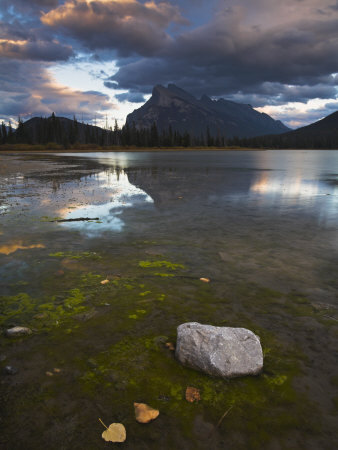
{"x":322,"y":134}
{"x":59,"y":130}
{"x":182,"y":111}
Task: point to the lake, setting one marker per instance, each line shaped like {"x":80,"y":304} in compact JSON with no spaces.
{"x":262,"y":226}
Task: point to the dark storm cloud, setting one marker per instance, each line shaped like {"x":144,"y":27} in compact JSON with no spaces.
{"x":279,"y":94}
{"x":35,"y":50}
{"x":334,"y":7}
{"x":133,"y":97}
{"x":226,"y":58}
{"x":23,"y":37}
{"x":263,"y":52}
{"x":126,"y":26}
{"x":28,"y":5}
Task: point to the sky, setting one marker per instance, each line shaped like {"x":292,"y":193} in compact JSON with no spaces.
{"x":100,"y":59}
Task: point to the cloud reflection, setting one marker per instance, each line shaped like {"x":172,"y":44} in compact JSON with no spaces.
{"x":7,"y":249}
{"x":121,"y":193}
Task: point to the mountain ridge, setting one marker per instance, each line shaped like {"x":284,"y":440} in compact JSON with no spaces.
{"x":322,"y":134}
{"x":175,"y":107}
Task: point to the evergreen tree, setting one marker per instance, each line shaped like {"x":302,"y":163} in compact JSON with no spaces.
{"x":3,"y":133}
{"x":154,"y":141}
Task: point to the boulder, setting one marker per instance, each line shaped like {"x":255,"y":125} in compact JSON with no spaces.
{"x":219,"y":351}
{"x":18,"y":331}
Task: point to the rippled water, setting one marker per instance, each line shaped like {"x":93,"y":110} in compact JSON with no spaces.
{"x":262,"y":225}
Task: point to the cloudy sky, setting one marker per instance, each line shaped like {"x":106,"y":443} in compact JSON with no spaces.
{"x":101,"y":58}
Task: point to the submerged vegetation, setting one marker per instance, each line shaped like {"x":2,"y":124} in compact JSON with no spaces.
{"x":135,"y":364}
{"x":104,"y":312}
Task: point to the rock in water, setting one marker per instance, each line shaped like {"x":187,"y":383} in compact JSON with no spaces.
{"x":10,"y":370}
{"x":219,"y":351}
{"x":18,"y":331}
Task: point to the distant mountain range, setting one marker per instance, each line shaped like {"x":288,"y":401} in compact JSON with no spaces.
{"x":322,"y":134}
{"x":183,"y":112}
{"x":174,"y":118}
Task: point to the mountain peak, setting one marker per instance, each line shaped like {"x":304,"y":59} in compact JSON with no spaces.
{"x":173,"y":106}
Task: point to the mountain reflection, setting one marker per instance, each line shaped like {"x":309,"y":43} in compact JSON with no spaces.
{"x":111,"y":194}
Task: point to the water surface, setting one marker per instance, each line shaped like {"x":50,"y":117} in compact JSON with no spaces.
{"x":261,"y":225}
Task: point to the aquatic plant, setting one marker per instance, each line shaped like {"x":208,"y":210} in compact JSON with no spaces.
{"x":167,"y":264}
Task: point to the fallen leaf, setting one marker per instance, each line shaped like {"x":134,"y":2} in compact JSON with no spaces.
{"x":145,"y":413}
{"x":104,"y":281}
{"x":170,"y":346}
{"x":116,"y":432}
{"x":192,"y":394}
{"x":49,"y":374}
{"x":56,"y":370}
{"x":205,"y":280}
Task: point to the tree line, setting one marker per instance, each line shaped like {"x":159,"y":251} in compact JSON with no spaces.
{"x":68,"y":132}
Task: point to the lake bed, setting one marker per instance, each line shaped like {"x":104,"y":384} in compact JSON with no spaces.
{"x":261,"y":225}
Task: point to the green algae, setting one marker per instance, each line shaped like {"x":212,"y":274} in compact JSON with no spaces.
{"x":49,"y":219}
{"x":141,"y":368}
{"x":35,"y":313}
{"x":82,"y":255}
{"x":143,"y":294}
{"x":155,"y":264}
{"x":16,"y":307}
{"x":139,"y":312}
{"x":164,"y":275}
{"x":90,"y":279}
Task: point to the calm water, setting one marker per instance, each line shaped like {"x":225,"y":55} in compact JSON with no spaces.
{"x":262,"y":226}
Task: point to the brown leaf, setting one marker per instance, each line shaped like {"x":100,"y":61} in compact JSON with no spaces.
{"x":192,"y":394}
{"x":145,"y":413}
{"x":170,"y":346}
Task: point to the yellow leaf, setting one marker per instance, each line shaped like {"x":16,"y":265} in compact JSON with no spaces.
{"x":205,"y":280}
{"x":116,"y":432}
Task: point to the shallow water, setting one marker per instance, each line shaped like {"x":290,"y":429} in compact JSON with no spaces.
{"x":261,"y":225}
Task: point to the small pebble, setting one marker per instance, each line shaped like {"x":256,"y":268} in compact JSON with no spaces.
{"x":18,"y":331}
{"x":49,"y":374}
{"x":10,"y":370}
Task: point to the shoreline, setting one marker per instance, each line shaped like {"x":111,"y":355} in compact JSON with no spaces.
{"x":151,"y":149}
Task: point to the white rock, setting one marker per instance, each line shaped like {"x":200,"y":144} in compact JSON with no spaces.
{"x":219,"y":351}
{"x":18,"y":331}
